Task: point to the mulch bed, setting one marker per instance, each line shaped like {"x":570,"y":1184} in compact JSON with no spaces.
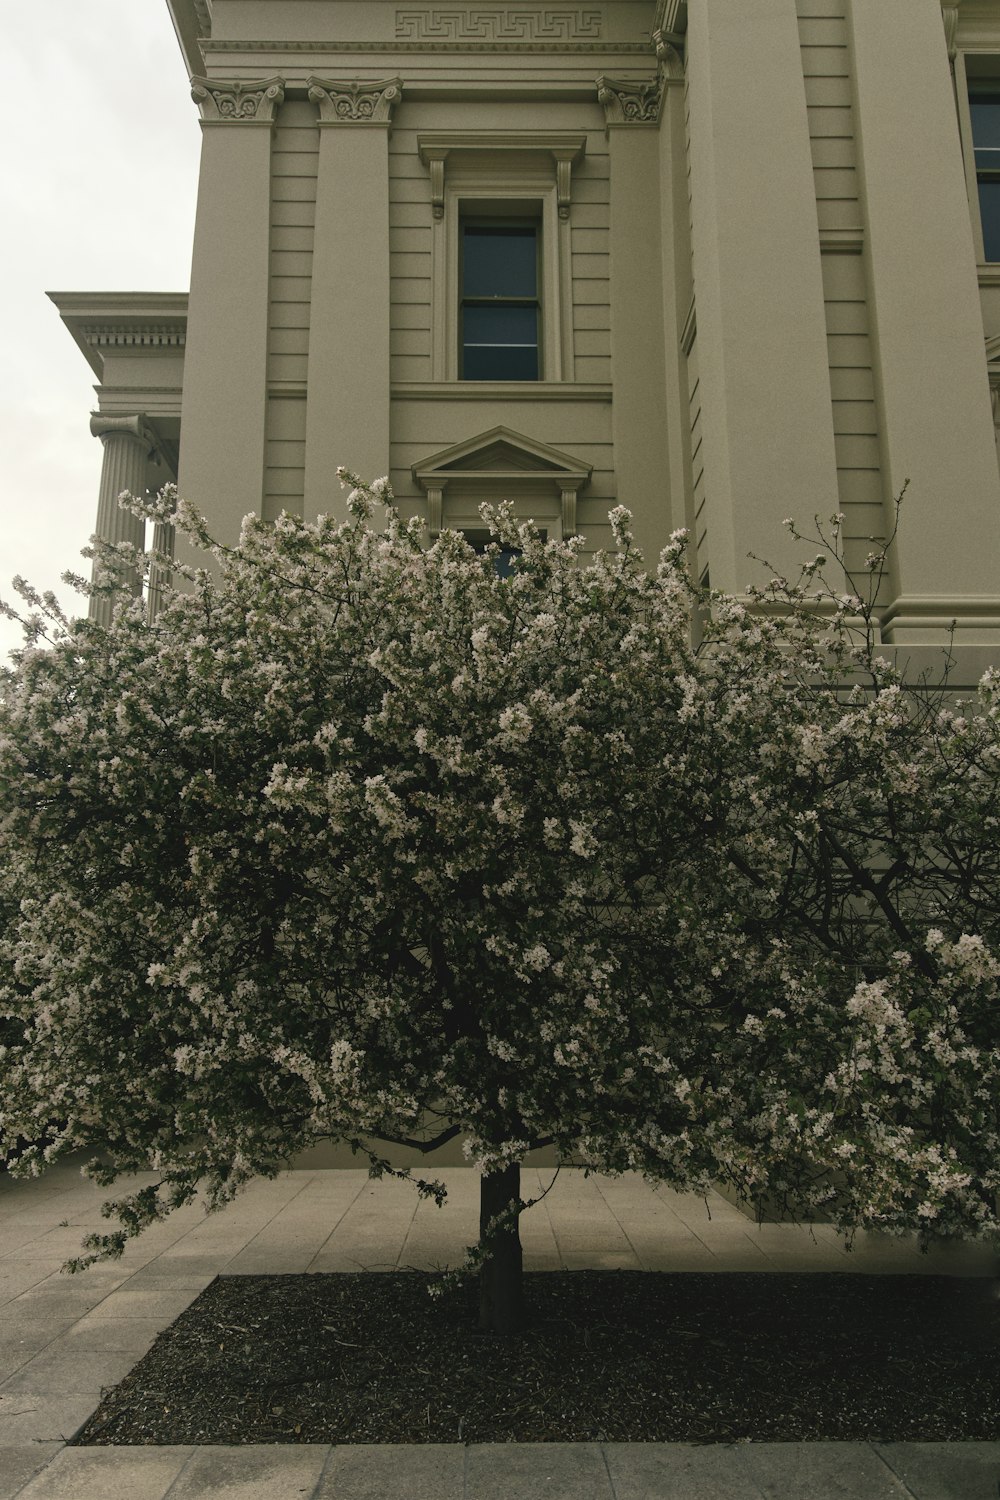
{"x":617,"y":1356}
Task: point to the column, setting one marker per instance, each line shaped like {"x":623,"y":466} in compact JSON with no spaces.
{"x":225,"y":361}
{"x":160,"y":573}
{"x":762,"y":354}
{"x":928,"y":339}
{"x":638,"y":372}
{"x":347,"y":404}
{"x":128,"y":444}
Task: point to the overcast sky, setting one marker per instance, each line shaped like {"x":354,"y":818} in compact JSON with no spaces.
{"x":98,"y":175}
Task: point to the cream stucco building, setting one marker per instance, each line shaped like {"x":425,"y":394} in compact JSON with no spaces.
{"x":722,"y":262}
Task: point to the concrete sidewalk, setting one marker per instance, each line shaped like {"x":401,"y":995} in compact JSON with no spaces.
{"x":64,"y":1338}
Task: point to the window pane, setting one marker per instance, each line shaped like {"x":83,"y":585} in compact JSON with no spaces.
{"x":985,"y":110}
{"x":499,"y":362}
{"x":498,"y":262}
{"x":501,"y":324}
{"x":989,"y":211}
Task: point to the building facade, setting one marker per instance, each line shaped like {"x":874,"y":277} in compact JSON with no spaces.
{"x":722,"y":262}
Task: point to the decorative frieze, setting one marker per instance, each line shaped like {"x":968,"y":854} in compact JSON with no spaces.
{"x":629,"y":101}
{"x":355,"y":103}
{"x":498,"y":24}
{"x":249,"y":102}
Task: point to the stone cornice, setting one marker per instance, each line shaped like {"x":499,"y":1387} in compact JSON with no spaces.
{"x":355,"y":103}
{"x":630,"y":101}
{"x":99,"y":321}
{"x":237,"y":101}
{"x":610,"y":49}
{"x":671,"y":19}
{"x":193,"y":25}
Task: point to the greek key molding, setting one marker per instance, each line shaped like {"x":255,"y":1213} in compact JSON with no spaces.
{"x":498,"y":24}
{"x":630,"y":102}
{"x":238,"y":101}
{"x":355,"y":103}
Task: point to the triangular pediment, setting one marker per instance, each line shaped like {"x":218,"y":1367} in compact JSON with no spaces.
{"x":500,"y":456}
{"x":500,"y":451}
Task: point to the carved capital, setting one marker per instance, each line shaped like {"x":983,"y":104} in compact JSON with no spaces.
{"x":240,"y":102}
{"x":630,"y":103}
{"x":355,"y":103}
{"x":135,"y":427}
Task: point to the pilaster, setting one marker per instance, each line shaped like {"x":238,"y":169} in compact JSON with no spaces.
{"x":347,"y":410}
{"x":930,"y":365}
{"x":225,"y":368}
{"x":638,"y":414}
{"x":762,"y":352}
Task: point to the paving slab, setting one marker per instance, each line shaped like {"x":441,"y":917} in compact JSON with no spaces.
{"x":537,"y":1471}
{"x":682,"y":1471}
{"x":166,"y":1302}
{"x":390,"y":1471}
{"x":108,"y":1474}
{"x":254,"y":1472}
{"x":108,"y":1336}
{"x":821,"y":1471}
{"x":18,"y":1464}
{"x":44,"y":1419}
{"x":61,"y":1370}
{"x":945,"y":1471}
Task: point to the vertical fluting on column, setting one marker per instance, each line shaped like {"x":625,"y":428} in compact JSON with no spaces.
{"x":127,"y":445}
{"x":160,"y":574}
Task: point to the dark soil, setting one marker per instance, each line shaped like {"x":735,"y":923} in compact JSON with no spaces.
{"x":618,"y":1356}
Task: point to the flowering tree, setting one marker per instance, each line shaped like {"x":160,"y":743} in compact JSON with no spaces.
{"x":360,"y":840}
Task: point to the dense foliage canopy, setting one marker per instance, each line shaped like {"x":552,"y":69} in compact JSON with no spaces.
{"x":359,"y":840}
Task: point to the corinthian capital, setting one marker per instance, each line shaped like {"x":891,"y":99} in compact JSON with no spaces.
{"x":238,"y":101}
{"x":355,"y":103}
{"x":630,"y":103}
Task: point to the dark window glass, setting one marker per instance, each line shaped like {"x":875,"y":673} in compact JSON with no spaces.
{"x":505,"y":563}
{"x":499,"y":302}
{"x":499,"y":262}
{"x":984,"y":105}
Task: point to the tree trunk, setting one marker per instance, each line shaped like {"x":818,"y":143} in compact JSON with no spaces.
{"x":501,"y":1304}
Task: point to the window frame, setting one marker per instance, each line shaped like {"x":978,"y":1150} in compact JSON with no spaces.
{"x":480,"y":184}
{"x":975,"y":71}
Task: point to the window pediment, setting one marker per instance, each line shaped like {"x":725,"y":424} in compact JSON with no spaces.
{"x":502,"y":464}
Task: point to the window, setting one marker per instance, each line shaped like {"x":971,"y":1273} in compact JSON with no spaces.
{"x":501,"y":262}
{"x":984,"y":108}
{"x":505,"y":562}
{"x":499,"y":305}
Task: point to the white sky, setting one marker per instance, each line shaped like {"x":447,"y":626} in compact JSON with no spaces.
{"x":98,"y":174}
